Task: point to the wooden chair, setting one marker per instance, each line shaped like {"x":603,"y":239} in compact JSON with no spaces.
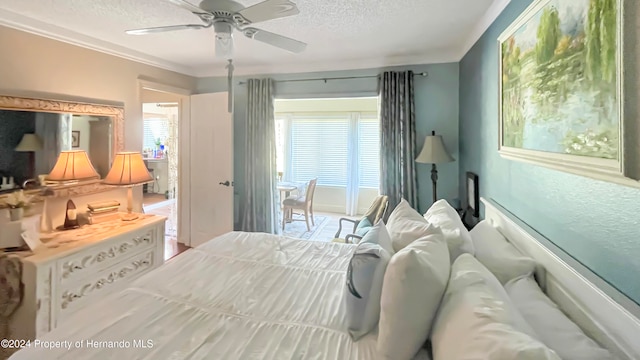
{"x":375,"y":213}
{"x":303,"y":202}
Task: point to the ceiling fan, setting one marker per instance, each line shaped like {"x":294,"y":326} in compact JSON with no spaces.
{"x":225,"y":16}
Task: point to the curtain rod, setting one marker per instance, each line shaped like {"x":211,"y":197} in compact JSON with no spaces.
{"x":425,"y":74}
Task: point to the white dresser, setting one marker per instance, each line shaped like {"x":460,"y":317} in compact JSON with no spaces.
{"x":85,"y":265}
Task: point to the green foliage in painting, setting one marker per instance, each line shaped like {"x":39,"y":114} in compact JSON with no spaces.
{"x":512,"y":93}
{"x":601,"y":42}
{"x":548,"y":35}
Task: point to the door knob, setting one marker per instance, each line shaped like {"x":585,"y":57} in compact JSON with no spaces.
{"x":226,"y":183}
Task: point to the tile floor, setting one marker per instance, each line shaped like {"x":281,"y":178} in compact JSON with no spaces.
{"x":328,"y":228}
{"x":150,"y":198}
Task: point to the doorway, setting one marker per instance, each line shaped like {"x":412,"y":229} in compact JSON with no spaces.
{"x":162,"y":116}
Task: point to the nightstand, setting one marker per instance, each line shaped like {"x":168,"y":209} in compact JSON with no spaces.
{"x":81,"y":266}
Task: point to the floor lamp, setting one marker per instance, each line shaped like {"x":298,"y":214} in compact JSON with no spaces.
{"x":433,"y":152}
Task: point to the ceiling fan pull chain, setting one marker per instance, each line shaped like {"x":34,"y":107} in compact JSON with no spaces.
{"x":230,"y":67}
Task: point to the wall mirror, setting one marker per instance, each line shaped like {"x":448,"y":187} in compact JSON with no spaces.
{"x":34,"y":131}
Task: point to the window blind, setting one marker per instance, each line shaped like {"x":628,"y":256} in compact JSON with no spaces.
{"x":155,"y":128}
{"x":319,"y":149}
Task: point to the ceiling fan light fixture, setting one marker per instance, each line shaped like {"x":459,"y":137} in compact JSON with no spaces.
{"x":224,"y":46}
{"x":222,"y":27}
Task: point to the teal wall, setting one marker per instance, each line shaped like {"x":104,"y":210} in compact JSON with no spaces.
{"x":436,"y":109}
{"x":595,"y":222}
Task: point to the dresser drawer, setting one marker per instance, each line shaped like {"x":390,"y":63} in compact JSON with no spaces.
{"x":76,"y":295}
{"x":78,"y":266}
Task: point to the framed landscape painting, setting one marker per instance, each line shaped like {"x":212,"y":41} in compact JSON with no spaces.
{"x":561,"y":88}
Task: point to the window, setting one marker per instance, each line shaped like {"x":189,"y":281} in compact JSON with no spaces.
{"x":154,"y":129}
{"x":319,"y":149}
{"x":318,"y":146}
{"x":369,"y":152}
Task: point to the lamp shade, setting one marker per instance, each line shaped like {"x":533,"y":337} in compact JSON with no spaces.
{"x":29,"y":142}
{"x":73,"y":165}
{"x":433,"y":151}
{"x":128,"y":169}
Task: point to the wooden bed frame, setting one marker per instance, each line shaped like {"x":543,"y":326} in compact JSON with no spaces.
{"x":604,"y":313}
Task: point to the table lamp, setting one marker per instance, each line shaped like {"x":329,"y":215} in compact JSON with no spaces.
{"x":433,"y":152}
{"x":30,"y":143}
{"x":128,"y":170}
{"x":71,"y":167}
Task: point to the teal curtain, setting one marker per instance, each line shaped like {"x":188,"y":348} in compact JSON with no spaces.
{"x":398,"y":149}
{"x":261,"y":206}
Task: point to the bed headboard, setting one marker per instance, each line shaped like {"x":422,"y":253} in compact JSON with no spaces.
{"x":604,"y":313}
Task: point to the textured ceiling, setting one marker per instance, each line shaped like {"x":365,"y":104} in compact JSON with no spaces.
{"x":342,"y":34}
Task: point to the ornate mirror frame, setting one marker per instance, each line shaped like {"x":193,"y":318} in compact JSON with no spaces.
{"x":76,"y":108}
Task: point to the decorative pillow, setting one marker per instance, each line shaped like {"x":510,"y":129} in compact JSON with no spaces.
{"x":499,"y":256}
{"x":555,"y":329}
{"x":413,"y":285}
{"x":474,"y":322}
{"x":456,"y":234}
{"x":405,"y":225}
{"x":379,"y":235}
{"x":363,"y":227}
{"x":363,"y":288}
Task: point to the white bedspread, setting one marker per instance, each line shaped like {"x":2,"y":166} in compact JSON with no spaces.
{"x":239,"y":296}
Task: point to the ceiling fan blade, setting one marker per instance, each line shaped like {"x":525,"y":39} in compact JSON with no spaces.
{"x":159,"y":29}
{"x":276,"y":40}
{"x":267,"y":10}
{"x":187,"y":6}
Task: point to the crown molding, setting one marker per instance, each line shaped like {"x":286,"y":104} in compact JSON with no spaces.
{"x":495,"y":9}
{"x":37,"y":27}
{"x":40,"y":28}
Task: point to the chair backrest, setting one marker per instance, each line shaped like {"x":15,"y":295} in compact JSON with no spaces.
{"x":377,"y":209}
{"x":311,"y":189}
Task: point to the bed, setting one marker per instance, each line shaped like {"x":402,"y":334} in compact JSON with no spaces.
{"x":601,"y":311}
{"x":272,"y":297}
{"x":259,"y":296}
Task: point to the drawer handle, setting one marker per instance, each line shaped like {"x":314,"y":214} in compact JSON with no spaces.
{"x":70,"y":267}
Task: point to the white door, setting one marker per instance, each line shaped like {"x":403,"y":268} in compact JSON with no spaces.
{"x":211,"y":167}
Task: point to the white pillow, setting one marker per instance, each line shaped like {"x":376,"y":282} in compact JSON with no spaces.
{"x":555,"y":329}
{"x":413,"y":285}
{"x":363,"y":288}
{"x":475,"y":323}
{"x":455,"y":233}
{"x":405,"y":225}
{"x":499,"y":256}
{"x":378,"y":234}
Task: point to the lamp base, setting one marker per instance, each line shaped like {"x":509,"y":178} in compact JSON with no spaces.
{"x":62,"y":228}
{"x":129,"y":217}
{"x":434,"y":180}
